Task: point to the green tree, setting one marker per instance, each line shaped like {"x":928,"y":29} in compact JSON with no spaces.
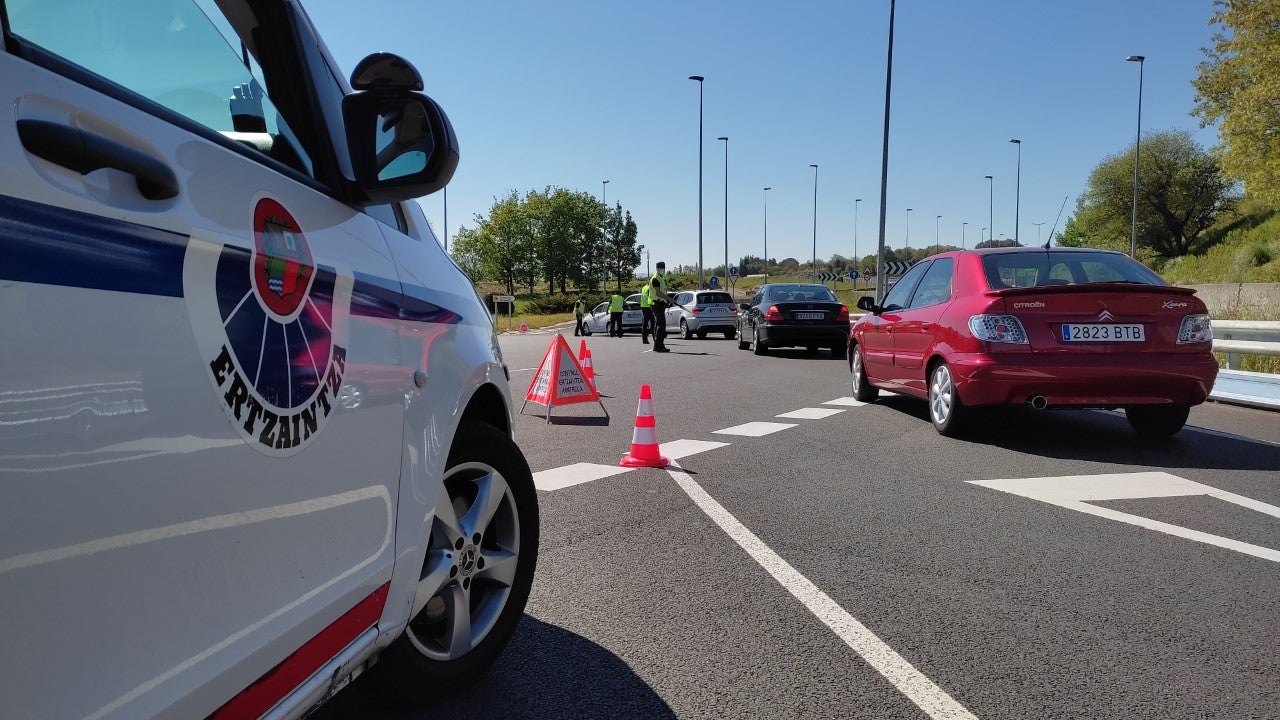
{"x":619,"y":248}
{"x":1181,"y":192}
{"x":468,"y":252}
{"x":1238,"y":85}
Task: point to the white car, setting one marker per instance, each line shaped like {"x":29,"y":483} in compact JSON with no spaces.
{"x":597,"y":320}
{"x":206,"y":240}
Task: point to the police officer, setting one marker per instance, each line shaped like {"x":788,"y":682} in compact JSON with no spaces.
{"x":646,"y":309}
{"x":615,"y":315}
{"x":661,"y":301}
{"x":579,"y":309}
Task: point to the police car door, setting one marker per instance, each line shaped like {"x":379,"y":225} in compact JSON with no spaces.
{"x":185,"y":502}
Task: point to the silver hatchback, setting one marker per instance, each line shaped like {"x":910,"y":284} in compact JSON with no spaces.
{"x":703,"y":311}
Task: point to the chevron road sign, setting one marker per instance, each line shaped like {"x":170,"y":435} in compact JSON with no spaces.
{"x":896,"y":269}
{"x":831,"y":277}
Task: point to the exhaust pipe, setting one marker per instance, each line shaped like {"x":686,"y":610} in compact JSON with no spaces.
{"x":1037,"y":402}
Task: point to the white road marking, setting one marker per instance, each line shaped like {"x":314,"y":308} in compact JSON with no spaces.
{"x":1074,"y":492}
{"x":845,"y":402}
{"x":525,"y":369}
{"x":575,"y":474}
{"x":922,"y":691}
{"x":754,"y":429}
{"x":810,"y":413}
{"x":890,"y":393}
{"x":684,"y":448}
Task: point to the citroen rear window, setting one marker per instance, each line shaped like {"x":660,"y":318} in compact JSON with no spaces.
{"x":1042,"y":269}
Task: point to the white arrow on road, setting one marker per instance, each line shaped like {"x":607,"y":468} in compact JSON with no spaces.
{"x":1076,"y":491}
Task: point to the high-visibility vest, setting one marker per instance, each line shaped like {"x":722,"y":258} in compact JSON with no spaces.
{"x":615,"y":303}
{"x":646,"y":296}
{"x":580,"y":308}
{"x":658,"y":287}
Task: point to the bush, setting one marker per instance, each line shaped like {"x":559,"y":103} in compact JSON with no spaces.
{"x":558,"y":303}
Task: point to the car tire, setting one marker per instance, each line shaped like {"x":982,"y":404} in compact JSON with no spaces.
{"x":1157,"y":421}
{"x":730,"y":334}
{"x":425,"y":660}
{"x":757,"y":346}
{"x":743,"y":342}
{"x":863,"y":390}
{"x":684,"y":330}
{"x":586,"y":330}
{"x":945,"y":410}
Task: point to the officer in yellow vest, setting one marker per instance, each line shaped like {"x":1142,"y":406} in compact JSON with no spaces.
{"x":615,"y":315}
{"x":646,"y":308}
{"x":661,"y":301}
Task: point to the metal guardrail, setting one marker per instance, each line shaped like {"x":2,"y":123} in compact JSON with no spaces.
{"x":1236,"y":338}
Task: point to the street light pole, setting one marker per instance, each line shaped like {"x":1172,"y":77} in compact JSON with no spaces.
{"x":726,"y":208}
{"x":855,"y":231}
{"x":699,"y":78}
{"x":937,"y":233}
{"x":908,"y":228}
{"x":1017,"y":196}
{"x":815,"y":221}
{"x":446,"y":218}
{"x":884,"y":158}
{"x":991,"y":205}
{"x":1137,"y":144}
{"x":765,"y":195}
{"x":1038,"y":226}
{"x":962,"y":228}
{"x":982,"y":234}
{"x":604,"y":184}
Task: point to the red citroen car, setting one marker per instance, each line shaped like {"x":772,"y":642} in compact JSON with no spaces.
{"x":1068,"y":327}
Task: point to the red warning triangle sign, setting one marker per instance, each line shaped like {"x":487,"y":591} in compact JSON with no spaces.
{"x":559,"y":379}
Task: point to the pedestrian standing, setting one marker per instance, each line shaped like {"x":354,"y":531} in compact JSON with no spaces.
{"x":616,"y":304}
{"x":646,"y":310}
{"x":661,"y":301}
{"x":579,"y":309}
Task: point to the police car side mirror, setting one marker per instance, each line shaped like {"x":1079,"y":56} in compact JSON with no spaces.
{"x":401,"y":142}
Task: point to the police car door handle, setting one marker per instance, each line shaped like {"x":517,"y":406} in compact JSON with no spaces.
{"x":84,"y":152}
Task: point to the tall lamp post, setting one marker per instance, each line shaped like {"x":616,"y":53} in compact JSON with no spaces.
{"x":446,"y":218}
{"x":991,"y":205}
{"x":962,"y":228}
{"x":1137,"y":143}
{"x":855,"y":231}
{"x":726,"y":208}
{"x":908,"y":227}
{"x":1017,"y":193}
{"x":604,"y":186}
{"x":982,"y":235}
{"x":937,"y":233}
{"x":815,"y":221}
{"x":884,"y":158}
{"x":699,"y":78}
{"x":765,"y":195}
{"x":1038,"y":226}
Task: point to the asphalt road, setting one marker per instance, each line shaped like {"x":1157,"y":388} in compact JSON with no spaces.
{"x":926,"y":592}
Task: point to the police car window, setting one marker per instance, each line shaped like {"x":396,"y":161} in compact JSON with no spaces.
{"x":182,"y":54}
{"x":388,"y":215}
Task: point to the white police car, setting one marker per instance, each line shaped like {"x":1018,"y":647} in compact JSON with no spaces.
{"x":204,"y":243}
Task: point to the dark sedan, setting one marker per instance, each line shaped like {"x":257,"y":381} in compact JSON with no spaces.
{"x":804,"y":315}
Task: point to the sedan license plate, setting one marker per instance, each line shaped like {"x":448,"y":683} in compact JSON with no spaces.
{"x":1103,"y":332}
{"x":809,"y":316}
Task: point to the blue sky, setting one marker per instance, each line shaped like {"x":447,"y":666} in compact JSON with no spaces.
{"x":569,"y":93}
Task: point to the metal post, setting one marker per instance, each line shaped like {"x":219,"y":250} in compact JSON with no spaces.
{"x":907,"y":234}
{"x":726,"y":207}
{"x":1017,"y":195}
{"x":815,"y":221}
{"x":937,"y":233}
{"x":991,"y":205}
{"x":699,"y":78}
{"x":604,"y":186}
{"x":884,"y":160}
{"x":446,"y":218}
{"x":765,"y":194}
{"x":1137,"y":145}
{"x":962,"y":228}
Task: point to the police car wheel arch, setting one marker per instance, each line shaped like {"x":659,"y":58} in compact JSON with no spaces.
{"x":478,"y":570}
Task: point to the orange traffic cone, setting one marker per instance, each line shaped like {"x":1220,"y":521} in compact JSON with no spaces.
{"x":644,"y":439}
{"x":582,"y":350}
{"x":588,"y":368}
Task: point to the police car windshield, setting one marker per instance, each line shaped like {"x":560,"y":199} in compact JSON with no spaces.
{"x":799,"y":293}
